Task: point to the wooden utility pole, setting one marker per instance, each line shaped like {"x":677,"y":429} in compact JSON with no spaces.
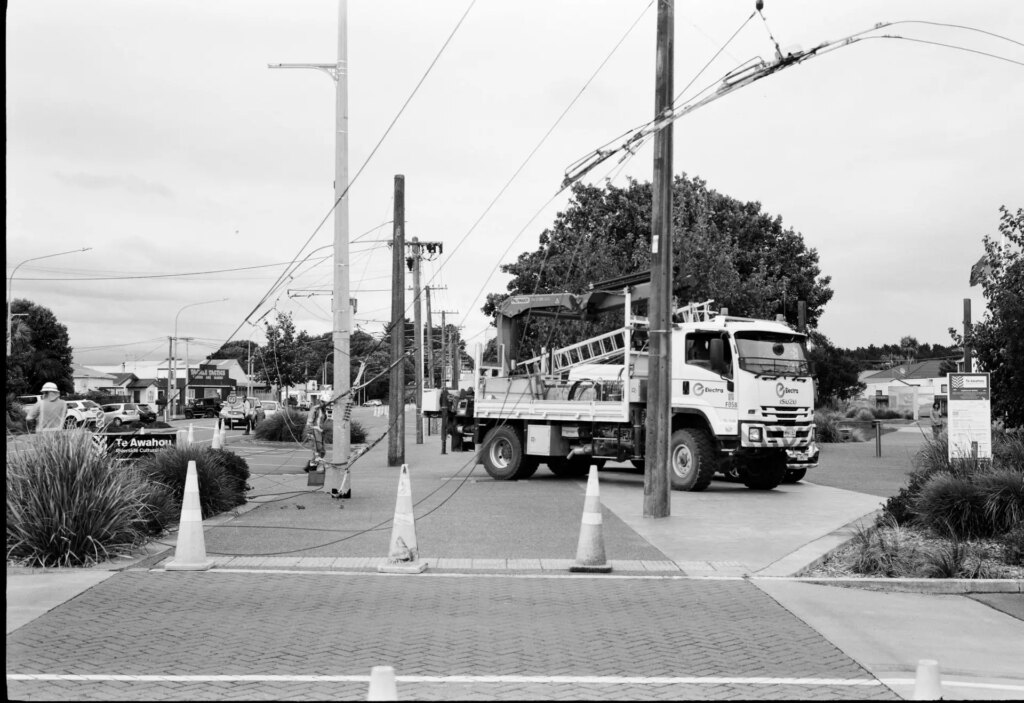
{"x":659,"y":379}
{"x":430,"y":341}
{"x":967,"y":335}
{"x":396,"y":380}
{"x":418,"y":337}
{"x":444,"y":342}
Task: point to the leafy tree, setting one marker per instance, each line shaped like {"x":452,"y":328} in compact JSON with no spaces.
{"x":40,"y":350}
{"x":724,"y":250}
{"x":276,"y":361}
{"x":997,"y":340}
{"x":836,"y":371}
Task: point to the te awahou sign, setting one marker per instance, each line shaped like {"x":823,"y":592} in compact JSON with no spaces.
{"x":135,"y":446}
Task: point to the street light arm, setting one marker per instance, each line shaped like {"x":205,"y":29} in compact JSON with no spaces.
{"x":10,"y":278}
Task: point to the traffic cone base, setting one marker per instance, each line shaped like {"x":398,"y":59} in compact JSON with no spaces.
{"x":590,"y":556}
{"x":382,"y":684}
{"x":927,"y":686}
{"x":190,"y":550}
{"x":403,"y":554}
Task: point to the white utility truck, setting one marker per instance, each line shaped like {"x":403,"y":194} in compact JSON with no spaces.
{"x":742,"y":395}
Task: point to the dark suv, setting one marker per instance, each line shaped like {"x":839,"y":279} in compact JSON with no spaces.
{"x":203,"y":407}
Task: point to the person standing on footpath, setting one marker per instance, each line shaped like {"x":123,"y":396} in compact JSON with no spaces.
{"x":937,"y":421}
{"x":48,"y":414}
{"x":248,"y":411}
{"x":315,"y":422}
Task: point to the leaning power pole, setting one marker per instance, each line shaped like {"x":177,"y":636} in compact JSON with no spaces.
{"x":342,"y":315}
{"x":659,"y":379}
{"x":430,"y":341}
{"x":396,"y":379}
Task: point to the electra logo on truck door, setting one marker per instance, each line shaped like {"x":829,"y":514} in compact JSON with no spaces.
{"x":701,"y":389}
{"x":782,"y":391}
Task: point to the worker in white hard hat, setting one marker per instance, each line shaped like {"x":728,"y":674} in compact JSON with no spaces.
{"x":48,"y":414}
{"x":315,"y":421}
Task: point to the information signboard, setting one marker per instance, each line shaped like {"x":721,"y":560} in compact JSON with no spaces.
{"x":970,"y":415}
{"x":131,"y":446}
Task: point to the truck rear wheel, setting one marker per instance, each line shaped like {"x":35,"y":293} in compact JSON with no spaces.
{"x":765,"y":474}
{"x":692,"y":460}
{"x":560,"y":466}
{"x":503,"y":456}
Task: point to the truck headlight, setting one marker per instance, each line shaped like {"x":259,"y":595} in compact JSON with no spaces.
{"x":755,"y":434}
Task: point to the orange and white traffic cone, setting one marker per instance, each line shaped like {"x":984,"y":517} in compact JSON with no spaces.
{"x":590,"y":556}
{"x":190,"y":551}
{"x":403,"y":555}
{"x":216,"y":443}
{"x":190,"y":435}
{"x":382,"y":684}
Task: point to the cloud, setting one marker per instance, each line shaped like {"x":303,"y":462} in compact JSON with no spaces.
{"x":130,"y":184}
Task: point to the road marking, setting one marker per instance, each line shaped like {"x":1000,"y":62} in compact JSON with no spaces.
{"x":558,"y":574}
{"x":511,"y":679}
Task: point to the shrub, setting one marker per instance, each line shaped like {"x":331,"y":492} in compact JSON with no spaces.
{"x":135,"y":427}
{"x":219,"y":488}
{"x":162,"y":507}
{"x":864,"y":415}
{"x":883,"y":551}
{"x":1013,"y":546}
{"x":286,"y":425}
{"x":69,"y":505}
{"x":236,"y":467}
{"x":951,"y":506}
{"x":290,"y":426}
{"x":1002,"y":495}
{"x":952,"y":560}
{"x":1008,"y":450}
{"x":826,"y":426}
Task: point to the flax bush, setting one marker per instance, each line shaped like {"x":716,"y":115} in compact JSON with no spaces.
{"x":290,"y":426}
{"x":70,"y":505}
{"x":221,"y":479}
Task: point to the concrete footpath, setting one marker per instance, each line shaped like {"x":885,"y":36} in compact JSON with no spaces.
{"x":470,"y":525}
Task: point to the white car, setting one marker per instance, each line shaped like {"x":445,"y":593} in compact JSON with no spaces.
{"x":117,"y":413}
{"x":83,"y":413}
{"x":270,"y":407}
{"x":373,"y":402}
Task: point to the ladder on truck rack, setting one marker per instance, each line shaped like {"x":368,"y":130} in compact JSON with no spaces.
{"x":598,"y":348}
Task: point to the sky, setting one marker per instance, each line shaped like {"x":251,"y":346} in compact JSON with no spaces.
{"x":156,"y":135}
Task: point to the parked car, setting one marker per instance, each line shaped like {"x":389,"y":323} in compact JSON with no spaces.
{"x":270,"y":407}
{"x":203,"y":407}
{"x":79,"y":413}
{"x":83,"y":413}
{"x":373,"y":402}
{"x":147,"y":413}
{"x":118,"y":413}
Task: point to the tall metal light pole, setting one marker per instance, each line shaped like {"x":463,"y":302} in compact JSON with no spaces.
{"x":172,"y":372}
{"x":341,"y":306}
{"x":10,"y":283}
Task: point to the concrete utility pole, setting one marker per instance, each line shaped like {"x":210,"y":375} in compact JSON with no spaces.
{"x":342,"y":314}
{"x":659,"y":379}
{"x":396,"y":380}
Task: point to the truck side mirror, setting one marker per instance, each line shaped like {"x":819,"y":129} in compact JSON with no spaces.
{"x":717,"y":355}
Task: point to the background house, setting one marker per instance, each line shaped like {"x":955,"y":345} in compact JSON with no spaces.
{"x":910,"y":386}
{"x":88,"y":379}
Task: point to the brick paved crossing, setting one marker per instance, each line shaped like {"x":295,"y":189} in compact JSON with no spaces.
{"x":683,"y":639}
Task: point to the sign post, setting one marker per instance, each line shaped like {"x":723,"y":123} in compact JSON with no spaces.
{"x":970,"y":416}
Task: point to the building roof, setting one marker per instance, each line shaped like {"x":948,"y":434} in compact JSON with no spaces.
{"x":143,"y":383}
{"x":912,"y":370}
{"x":78,"y":371}
{"x":123,"y":379}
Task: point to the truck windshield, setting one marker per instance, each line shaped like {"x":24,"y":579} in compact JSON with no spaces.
{"x":772,"y":353}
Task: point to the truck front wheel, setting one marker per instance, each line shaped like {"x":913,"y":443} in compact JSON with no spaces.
{"x":692,"y":460}
{"x":765,"y":474}
{"x":503,"y":456}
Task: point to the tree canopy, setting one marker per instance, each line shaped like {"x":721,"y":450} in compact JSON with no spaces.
{"x":40,"y":350}
{"x":997,"y":340}
{"x":724,"y":249}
